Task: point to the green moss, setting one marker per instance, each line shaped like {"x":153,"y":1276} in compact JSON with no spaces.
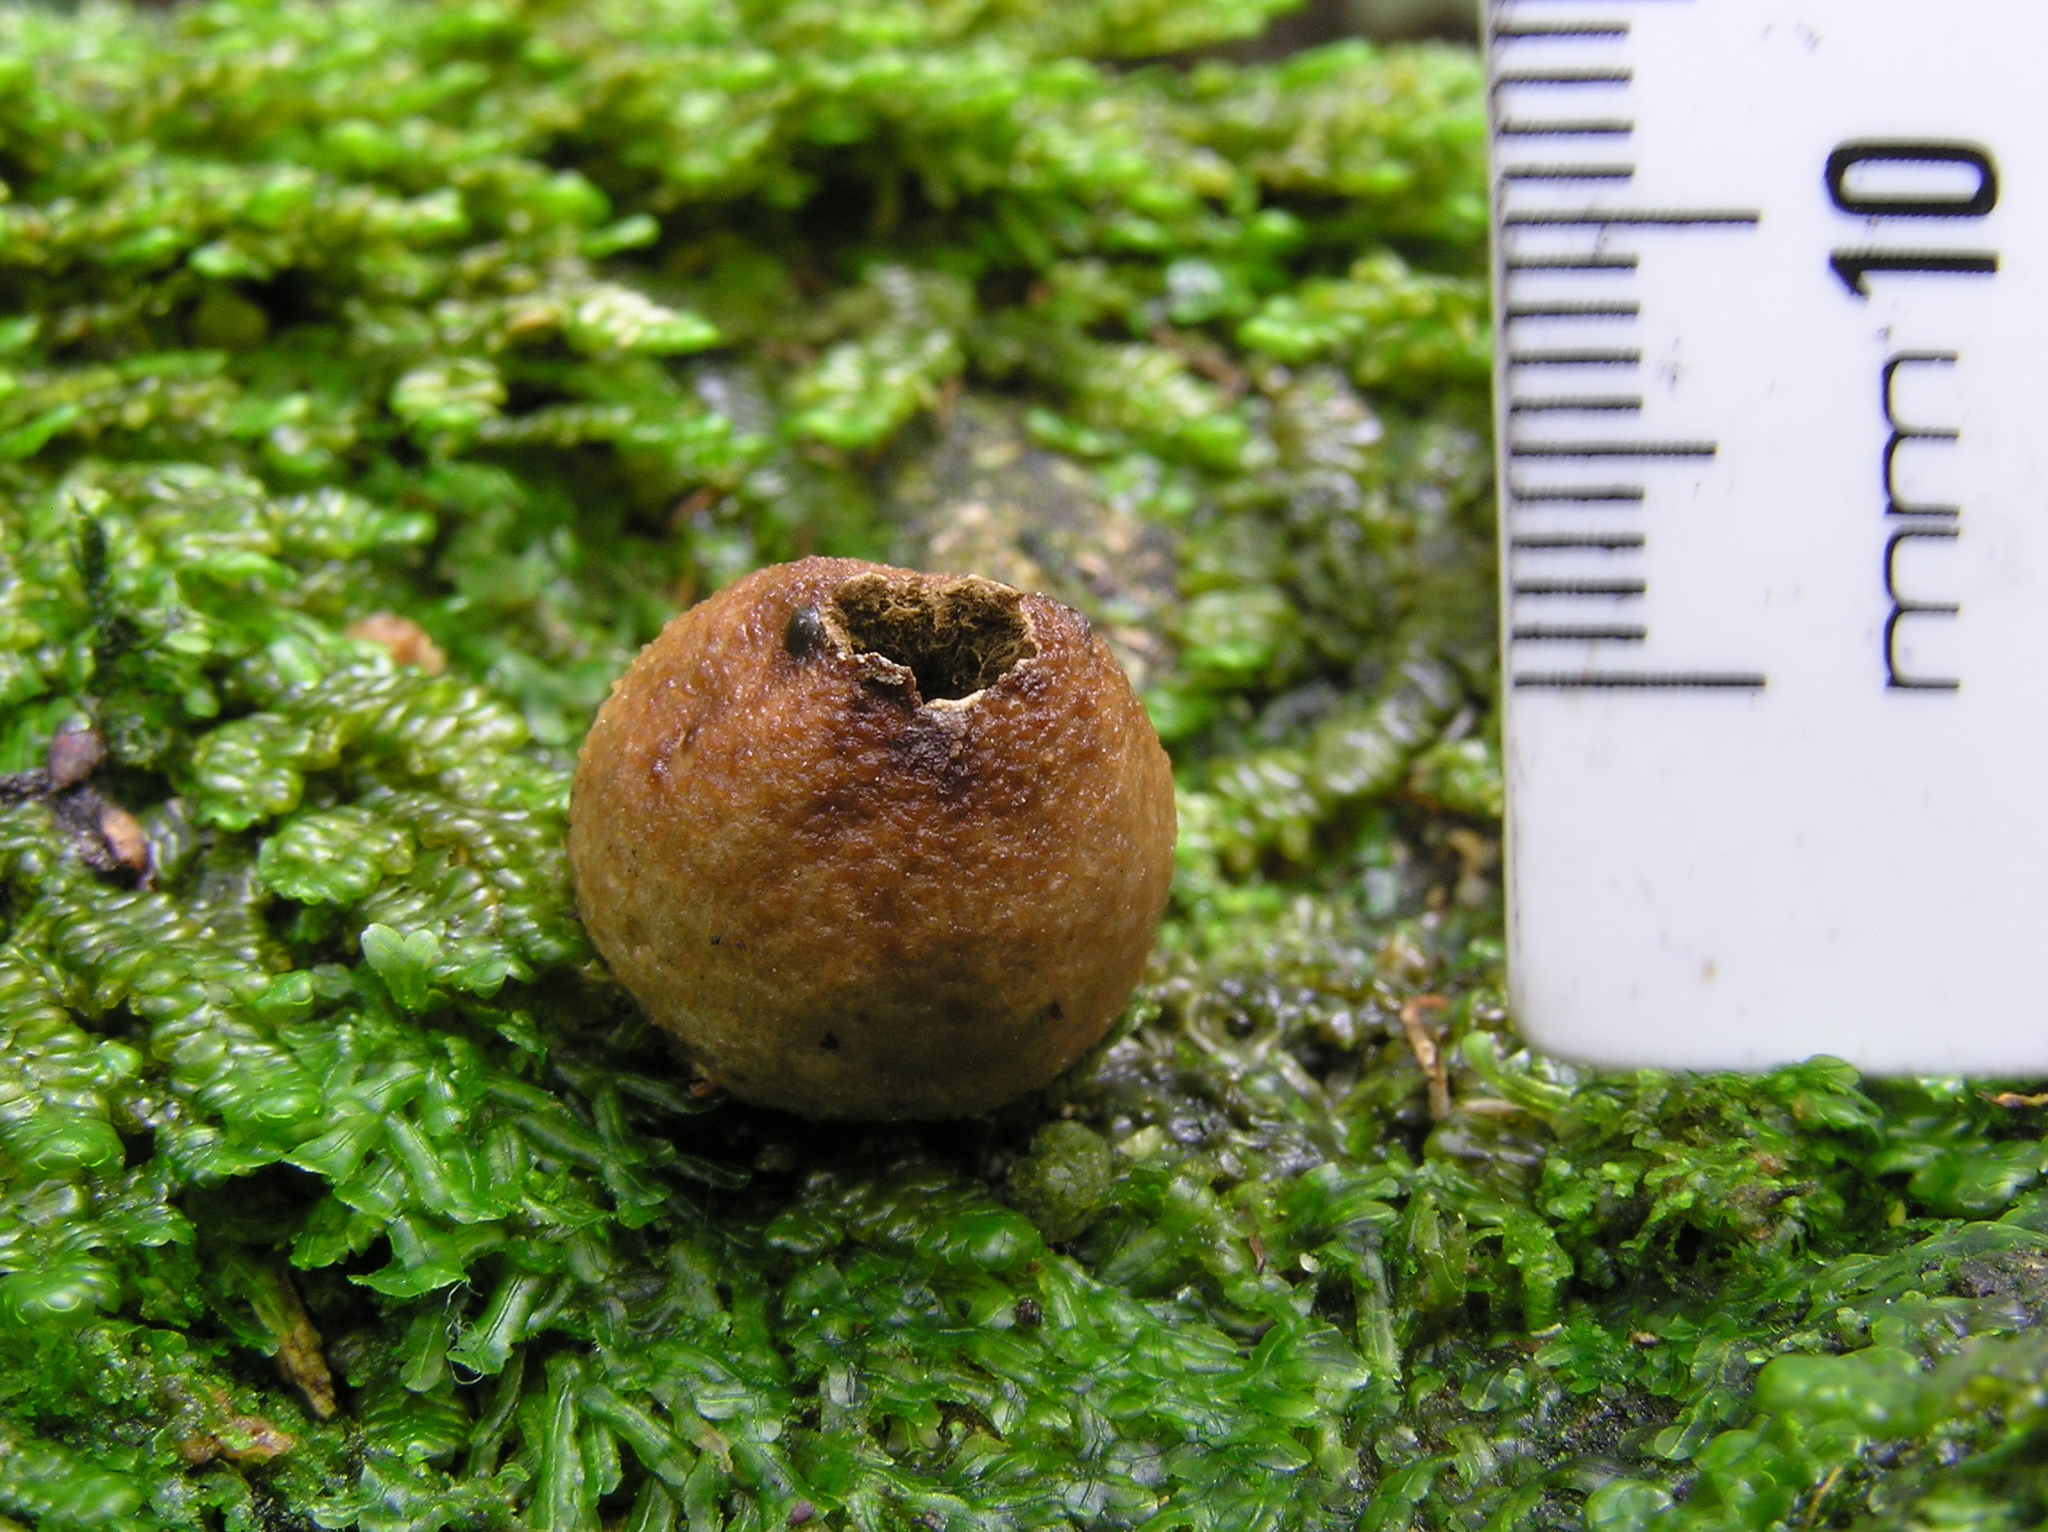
{"x":338,"y":1184}
{"x":1065,"y":1182}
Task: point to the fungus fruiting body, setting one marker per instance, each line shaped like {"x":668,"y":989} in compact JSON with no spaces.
{"x":872,"y":843}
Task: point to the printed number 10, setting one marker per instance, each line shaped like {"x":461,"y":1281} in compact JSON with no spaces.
{"x":1853,"y":266}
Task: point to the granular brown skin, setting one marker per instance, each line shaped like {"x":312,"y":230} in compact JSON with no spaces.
{"x":848,"y":900}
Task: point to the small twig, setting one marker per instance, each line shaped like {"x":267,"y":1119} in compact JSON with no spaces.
{"x":1422,"y":1040}
{"x":1813,"y":1510}
{"x":299,"y":1356}
{"x":1205,"y":356}
{"x":1490,"y":1106}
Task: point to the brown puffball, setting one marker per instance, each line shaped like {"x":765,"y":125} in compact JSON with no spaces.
{"x":872,"y":843}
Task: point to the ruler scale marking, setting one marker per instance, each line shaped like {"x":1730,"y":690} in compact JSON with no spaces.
{"x":1564,"y":173}
{"x":1536,"y":634}
{"x":1632,"y":218}
{"x":1579,"y":540}
{"x":1519,"y":220}
{"x":1613,"y":404}
{"x":1580,"y":494}
{"x":1584,"y":265}
{"x":1573,"y":311}
{"x":1562,"y":77}
{"x":1612,"y":680}
{"x":1777,"y":691}
{"x":1571,"y":450}
{"x":1575,"y":359}
{"x":1608,"y":127}
{"x":1528,"y":31}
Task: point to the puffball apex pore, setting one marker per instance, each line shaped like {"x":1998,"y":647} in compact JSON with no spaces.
{"x":872,"y":843}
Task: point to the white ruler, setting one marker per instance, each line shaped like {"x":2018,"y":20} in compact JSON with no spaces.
{"x":1773,"y":392}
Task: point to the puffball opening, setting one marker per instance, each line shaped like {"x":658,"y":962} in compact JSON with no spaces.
{"x":955,"y":637}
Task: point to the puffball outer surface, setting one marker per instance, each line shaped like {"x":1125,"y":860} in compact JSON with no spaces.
{"x":847,"y":901}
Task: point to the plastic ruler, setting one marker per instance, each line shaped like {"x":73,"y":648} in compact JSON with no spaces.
{"x":1772,"y":350}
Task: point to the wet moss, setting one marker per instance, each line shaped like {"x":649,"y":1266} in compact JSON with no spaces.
{"x":1065,"y":1182}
